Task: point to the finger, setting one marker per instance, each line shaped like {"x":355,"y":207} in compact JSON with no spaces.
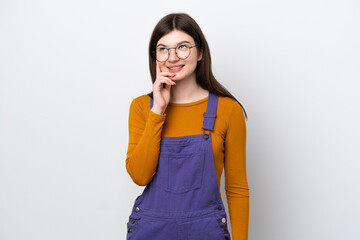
{"x":167,"y":74}
{"x":165,"y":79}
{"x":162,"y":85}
{"x":167,"y":87}
{"x":158,"y":70}
{"x":162,"y":81}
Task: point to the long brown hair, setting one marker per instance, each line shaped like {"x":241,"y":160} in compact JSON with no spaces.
{"x":204,"y":75}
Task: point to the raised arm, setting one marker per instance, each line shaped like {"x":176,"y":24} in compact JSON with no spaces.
{"x":145,"y":129}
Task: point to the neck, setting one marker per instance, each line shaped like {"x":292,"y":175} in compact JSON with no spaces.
{"x":187,"y":90}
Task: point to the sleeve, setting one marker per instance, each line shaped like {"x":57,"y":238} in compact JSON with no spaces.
{"x":144,"y":143}
{"x":236,"y":185}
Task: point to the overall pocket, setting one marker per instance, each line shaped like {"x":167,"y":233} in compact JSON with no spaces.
{"x":181,"y":172}
{"x":205,"y":228}
{"x":152,"y":228}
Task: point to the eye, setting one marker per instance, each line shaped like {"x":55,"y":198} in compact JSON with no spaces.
{"x":162,"y":49}
{"x":183,"y":47}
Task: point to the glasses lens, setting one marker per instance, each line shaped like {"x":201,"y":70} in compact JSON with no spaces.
{"x":161,"y":54}
{"x":183,"y":51}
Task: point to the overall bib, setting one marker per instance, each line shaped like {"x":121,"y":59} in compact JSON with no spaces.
{"x":182,"y":201}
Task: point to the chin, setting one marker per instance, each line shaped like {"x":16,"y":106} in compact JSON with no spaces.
{"x":176,"y":77}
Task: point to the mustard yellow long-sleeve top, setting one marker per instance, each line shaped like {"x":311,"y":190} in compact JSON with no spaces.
{"x":179,"y":119}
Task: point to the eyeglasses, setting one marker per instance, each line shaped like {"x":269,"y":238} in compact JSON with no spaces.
{"x":182,"y":51}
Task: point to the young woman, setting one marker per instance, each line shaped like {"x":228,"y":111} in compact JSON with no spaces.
{"x":181,"y":136}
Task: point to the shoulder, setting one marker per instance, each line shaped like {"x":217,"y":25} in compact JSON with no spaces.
{"x":230,"y":109}
{"x":141,"y":100}
{"x":228,"y":105}
{"x":140,"y":105}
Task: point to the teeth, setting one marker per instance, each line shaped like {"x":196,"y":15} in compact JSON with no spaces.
{"x":176,"y":67}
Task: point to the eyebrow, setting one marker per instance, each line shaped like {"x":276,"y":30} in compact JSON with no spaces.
{"x":176,"y":44}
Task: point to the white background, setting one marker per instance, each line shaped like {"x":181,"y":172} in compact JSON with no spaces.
{"x":69,"y":70}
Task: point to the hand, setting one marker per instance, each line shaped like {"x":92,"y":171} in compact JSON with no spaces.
{"x":161,"y":95}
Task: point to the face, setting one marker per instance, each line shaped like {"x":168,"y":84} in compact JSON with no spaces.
{"x":172,"y":40}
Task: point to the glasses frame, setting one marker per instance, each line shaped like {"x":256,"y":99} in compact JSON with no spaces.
{"x":168,"y":50}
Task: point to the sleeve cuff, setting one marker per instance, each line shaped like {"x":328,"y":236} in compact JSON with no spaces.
{"x":156,"y":116}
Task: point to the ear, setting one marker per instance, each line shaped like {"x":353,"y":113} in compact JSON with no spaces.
{"x":200,"y":54}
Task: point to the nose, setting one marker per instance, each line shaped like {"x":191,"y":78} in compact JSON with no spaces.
{"x":172,"y":56}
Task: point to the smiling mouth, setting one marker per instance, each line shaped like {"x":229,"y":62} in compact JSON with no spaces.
{"x":173,"y":68}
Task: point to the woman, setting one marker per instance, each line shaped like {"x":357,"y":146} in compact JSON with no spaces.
{"x":181,"y":135}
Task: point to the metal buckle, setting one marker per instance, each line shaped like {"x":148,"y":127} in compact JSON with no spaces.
{"x":209,"y":114}
{"x":206,"y":135}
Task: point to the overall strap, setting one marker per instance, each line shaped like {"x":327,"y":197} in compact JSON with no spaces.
{"x":151,"y":102}
{"x":210,"y":114}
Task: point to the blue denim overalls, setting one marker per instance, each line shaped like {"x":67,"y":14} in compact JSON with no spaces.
{"x":182,"y":201}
